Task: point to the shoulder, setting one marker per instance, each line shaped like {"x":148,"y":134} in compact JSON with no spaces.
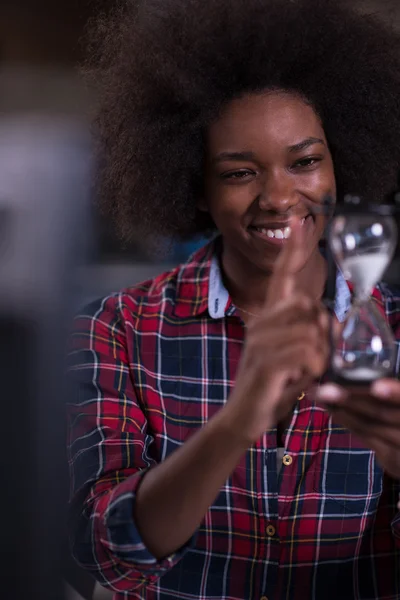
{"x":106,"y":326}
{"x":156,"y":297}
{"x":130,"y":303}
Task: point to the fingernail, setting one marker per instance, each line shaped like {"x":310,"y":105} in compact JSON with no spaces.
{"x":381,"y":389}
{"x":330,"y":393}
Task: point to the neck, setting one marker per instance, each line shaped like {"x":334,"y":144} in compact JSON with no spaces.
{"x":248,"y":287}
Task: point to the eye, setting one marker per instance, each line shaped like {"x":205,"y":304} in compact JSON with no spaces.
{"x":237,"y":174}
{"x":307,"y":162}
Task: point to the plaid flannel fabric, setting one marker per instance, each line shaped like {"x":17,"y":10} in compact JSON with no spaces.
{"x":151,"y":365}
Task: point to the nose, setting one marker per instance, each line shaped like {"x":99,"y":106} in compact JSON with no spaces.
{"x":278,"y":194}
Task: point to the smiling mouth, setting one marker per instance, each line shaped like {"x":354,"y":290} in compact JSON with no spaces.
{"x":277,"y":233}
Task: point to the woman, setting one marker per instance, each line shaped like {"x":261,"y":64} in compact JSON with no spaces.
{"x":205,"y":461}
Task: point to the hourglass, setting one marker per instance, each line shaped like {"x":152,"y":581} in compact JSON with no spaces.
{"x":362,"y":242}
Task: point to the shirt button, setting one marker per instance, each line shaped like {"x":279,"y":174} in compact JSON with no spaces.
{"x":271,"y":531}
{"x":287,"y":460}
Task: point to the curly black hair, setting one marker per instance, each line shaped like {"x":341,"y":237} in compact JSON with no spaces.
{"x":165,"y":68}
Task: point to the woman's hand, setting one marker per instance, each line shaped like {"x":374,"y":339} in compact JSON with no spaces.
{"x":285,"y":351}
{"x":372,"y":413}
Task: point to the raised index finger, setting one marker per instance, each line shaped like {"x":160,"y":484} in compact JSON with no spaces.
{"x":289,"y":261}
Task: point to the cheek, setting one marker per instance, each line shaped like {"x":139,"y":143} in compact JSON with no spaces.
{"x":330,"y":176}
{"x":229,"y":204}
{"x":225,"y":216}
{"x":320,"y":182}
{"x":331,"y":183}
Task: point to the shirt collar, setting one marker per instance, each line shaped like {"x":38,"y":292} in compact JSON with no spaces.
{"x":200,"y":287}
{"x":192,"y":286}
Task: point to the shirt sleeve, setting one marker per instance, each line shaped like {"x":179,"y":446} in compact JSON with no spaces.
{"x":108,"y":452}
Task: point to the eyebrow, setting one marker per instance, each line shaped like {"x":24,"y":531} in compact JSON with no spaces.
{"x":310,"y":141}
{"x":246,"y":156}
{"x":250,"y":156}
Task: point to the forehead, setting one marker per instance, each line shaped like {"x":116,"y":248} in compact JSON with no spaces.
{"x":278,"y":118}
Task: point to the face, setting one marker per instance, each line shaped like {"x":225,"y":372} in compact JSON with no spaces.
{"x":267,"y":160}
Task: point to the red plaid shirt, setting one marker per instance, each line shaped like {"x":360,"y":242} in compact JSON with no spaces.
{"x":153,"y":364}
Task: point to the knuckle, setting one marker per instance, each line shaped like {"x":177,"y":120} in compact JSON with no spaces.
{"x":303,"y":302}
{"x":313,"y":361}
{"x":324,"y":316}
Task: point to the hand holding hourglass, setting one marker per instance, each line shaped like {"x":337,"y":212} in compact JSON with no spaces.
{"x":362,"y":240}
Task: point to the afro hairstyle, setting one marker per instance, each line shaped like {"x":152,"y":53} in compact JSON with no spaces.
{"x":163,"y":70}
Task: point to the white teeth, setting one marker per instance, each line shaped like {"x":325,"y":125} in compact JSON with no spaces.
{"x":303,"y":221}
{"x":279,"y":234}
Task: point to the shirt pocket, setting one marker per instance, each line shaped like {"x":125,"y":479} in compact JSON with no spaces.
{"x":350,"y":478}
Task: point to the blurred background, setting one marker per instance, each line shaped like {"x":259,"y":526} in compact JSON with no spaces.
{"x":40,"y":47}
{"x":44,"y":110}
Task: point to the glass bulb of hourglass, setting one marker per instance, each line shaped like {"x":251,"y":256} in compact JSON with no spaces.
{"x":363,"y":246}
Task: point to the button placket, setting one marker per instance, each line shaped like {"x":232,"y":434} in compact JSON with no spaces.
{"x":287,"y":460}
{"x":271,"y":531}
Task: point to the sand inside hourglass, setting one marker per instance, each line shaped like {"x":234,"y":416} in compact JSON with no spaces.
{"x":365,"y":270}
{"x":364,"y":374}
